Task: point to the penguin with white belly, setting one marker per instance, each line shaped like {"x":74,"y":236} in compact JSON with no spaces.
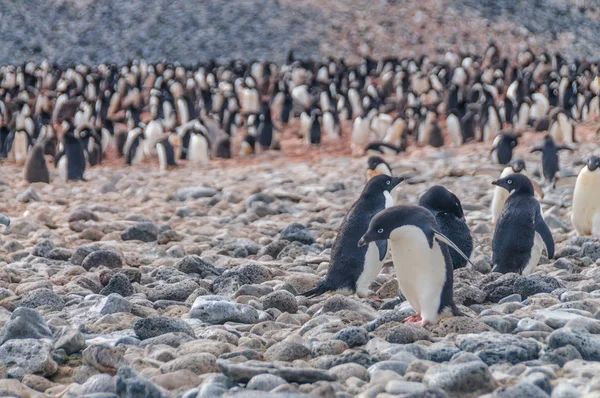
{"x":502,"y":149}
{"x":586,"y":199}
{"x":500,"y":194}
{"x":421,"y":258}
{"x":550,"y":160}
{"x":521,"y":233}
{"x":377,"y":166}
{"x":70,"y":161}
{"x":353,"y":268}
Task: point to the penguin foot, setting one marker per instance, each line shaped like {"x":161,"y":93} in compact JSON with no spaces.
{"x":416,"y":318}
{"x":422,"y":323}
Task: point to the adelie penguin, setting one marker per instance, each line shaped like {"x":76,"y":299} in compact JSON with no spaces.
{"x":586,"y":199}
{"x":166,"y":151}
{"x":70,"y":161}
{"x":502,"y":149}
{"x":377,"y":166}
{"x":421,"y":258}
{"x":550,"y":161}
{"x":353,"y":268}
{"x":448,"y":212}
{"x":36,"y":169}
{"x":521,"y":233}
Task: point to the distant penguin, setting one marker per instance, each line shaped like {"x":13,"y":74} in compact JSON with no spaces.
{"x":377,"y":166}
{"x":314,"y":130}
{"x":448,"y":213}
{"x":502,"y":149}
{"x":166,"y":152}
{"x":153,"y":133}
{"x":354,"y":268}
{"x":70,"y":161}
{"x":264,"y":132}
{"x":429,"y":132}
{"x":360,"y":134}
{"x":421,"y":258}
{"x":550,"y":160}
{"x":454,"y":129}
{"x":199,"y":148}
{"x":586,"y":199}
{"x":248,"y":145}
{"x":133,"y":150}
{"x":17,"y":145}
{"x":562,"y":129}
{"x":223,"y":148}
{"x":331,"y":124}
{"x":36,"y":169}
{"x":521,"y":233}
{"x":382,"y":148}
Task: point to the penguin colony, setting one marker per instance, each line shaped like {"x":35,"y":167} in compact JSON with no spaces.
{"x":177,"y":114}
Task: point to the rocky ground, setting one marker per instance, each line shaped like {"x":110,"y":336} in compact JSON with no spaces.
{"x":93,"y":31}
{"x":183,"y":284}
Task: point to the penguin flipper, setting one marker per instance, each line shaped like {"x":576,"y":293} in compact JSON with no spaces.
{"x":442,"y":238}
{"x":382,"y":246}
{"x":542,"y":228}
{"x":317,"y":291}
{"x":57,"y":158}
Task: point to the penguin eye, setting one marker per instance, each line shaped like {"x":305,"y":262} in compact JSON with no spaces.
{"x":388,"y":182}
{"x":380,"y":231}
{"x":509,"y":182}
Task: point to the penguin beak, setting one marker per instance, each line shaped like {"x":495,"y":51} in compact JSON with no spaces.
{"x":496,"y":182}
{"x":396,"y":181}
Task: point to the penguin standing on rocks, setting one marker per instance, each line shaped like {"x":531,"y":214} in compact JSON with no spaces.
{"x":377,"y":166}
{"x":70,"y":161}
{"x":586,"y":199}
{"x":166,"y":152}
{"x":448,"y":212}
{"x":133,"y":150}
{"x":550,"y":161}
{"x":354,"y":268}
{"x":502,"y":149}
{"x":36,"y":169}
{"x":421,"y":259}
{"x":521,"y":233}
{"x":500,"y":194}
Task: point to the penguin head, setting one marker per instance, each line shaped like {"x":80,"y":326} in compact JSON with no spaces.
{"x":593,"y":163}
{"x":440,"y":200}
{"x":381,"y":183}
{"x":517,"y":165}
{"x":375,"y":161}
{"x":516,"y":184}
{"x":386,"y":222}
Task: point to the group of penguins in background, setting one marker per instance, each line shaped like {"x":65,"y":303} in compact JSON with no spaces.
{"x":174,"y":113}
{"x":430,"y":240}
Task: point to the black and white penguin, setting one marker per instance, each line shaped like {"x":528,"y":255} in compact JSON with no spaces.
{"x":70,"y":160}
{"x":454,"y":128}
{"x":586,"y":199}
{"x":377,"y":166}
{"x":92,"y":144}
{"x":429,"y":132}
{"x":562,"y":129}
{"x":133,"y":150}
{"x":36,"y":169}
{"x":223,"y":148}
{"x":500,"y":194}
{"x":166,"y":151}
{"x":448,"y":212}
{"x":382,"y":148}
{"x":331,"y":124}
{"x":521,"y":233}
{"x":550,"y":160}
{"x":314,"y":128}
{"x":502,"y":149}
{"x":264,"y":132}
{"x":351,"y":267}
{"x":199,"y":147}
{"x":16,"y":146}
{"x":421,"y":258}
{"x":248,"y":145}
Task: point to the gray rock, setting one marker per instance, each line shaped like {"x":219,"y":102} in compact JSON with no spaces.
{"x":243,"y":372}
{"x":120,"y":284}
{"x":513,"y":298}
{"x":112,"y":304}
{"x":560,"y":356}
{"x":29,"y":195}
{"x":586,"y":343}
{"x":195,"y":193}
{"x":497,"y":286}
{"x":407,"y":333}
{"x":265,"y":382}
{"x":533,"y":284}
{"x":405,"y":388}
{"x":495,"y":348}
{"x":82,"y":252}
{"x":60,"y":253}
{"x":219,"y":312}
{"x":522,"y":389}
{"x":70,"y":340}
{"x":274,"y":248}
{"x":99,"y":258}
{"x":287,"y":351}
{"x":393,"y":365}
{"x":591,"y":250}
{"x":43,"y":248}
{"x":25,"y":323}
{"x":83,"y":214}
{"x":43,"y":298}
{"x":143,"y":231}
{"x":195,"y":265}
{"x":156,"y":326}
{"x":179,"y":291}
{"x":353,"y":336}
{"x":101,"y":383}
{"x":28,"y":356}
{"x":170,"y":339}
{"x":462,"y":378}
{"x":198,"y":363}
{"x":282,"y":300}
{"x":130,"y":384}
{"x":441,"y":352}
{"x":297,"y":233}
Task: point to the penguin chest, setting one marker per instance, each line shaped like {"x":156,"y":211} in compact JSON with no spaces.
{"x":586,"y":203}
{"x":20,"y":147}
{"x":198,"y":150}
{"x":536,"y":253}
{"x":454,"y":131}
{"x":500,"y":196}
{"x":371,"y":268}
{"x":420,"y":269}
{"x":63,"y":168}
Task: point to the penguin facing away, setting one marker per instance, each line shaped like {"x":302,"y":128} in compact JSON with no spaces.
{"x":448,"y":212}
{"x":71,"y":160}
{"x":377,"y":166}
{"x":502,"y":149}
{"x":353,"y":268}
{"x":586,"y":199}
{"x":421,"y":259}
{"x":36,"y":169}
{"x":166,"y":152}
{"x":521,"y":233}
{"x":550,"y":160}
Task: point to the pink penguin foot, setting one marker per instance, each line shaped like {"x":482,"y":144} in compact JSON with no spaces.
{"x":416,"y":318}
{"x":423,"y":323}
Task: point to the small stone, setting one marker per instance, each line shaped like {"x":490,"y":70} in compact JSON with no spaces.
{"x":36,"y":382}
{"x":112,"y":304}
{"x":352,"y":336}
{"x":462,"y":378}
{"x":100,"y":383}
{"x":179,"y":379}
{"x":195,"y":193}
{"x":99,"y":258}
{"x":130,"y":384}
{"x":297,"y":233}
{"x":586,"y":343}
{"x":195,"y":265}
{"x":219,"y":312}
{"x":70,"y":340}
{"x":405,"y":388}
{"x":169,"y":236}
{"x":92,"y":234}
{"x":495,"y":348}
{"x":83,"y":215}
{"x":143,"y":231}
{"x":157,"y":326}
{"x":199,"y":363}
{"x":513,"y":298}
{"x":347,"y":370}
{"x":522,"y":389}
{"x":43,"y":297}
{"x":60,"y":253}
{"x":178,"y":291}
{"x":103,"y":358}
{"x":560,"y":356}
{"x":287,"y":351}
{"x":120,"y":284}
{"x":499,"y":286}
{"x":43,"y":248}
{"x":533,"y":284}
{"x":82,"y":252}
{"x":29,"y":195}
{"x":283,"y":300}
{"x":265,"y":382}
{"x":459,"y":325}
{"x":407,"y":333}
{"x":26,"y":356}
{"x":25,"y":323}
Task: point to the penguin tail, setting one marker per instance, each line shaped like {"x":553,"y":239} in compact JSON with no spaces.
{"x":456,"y":311}
{"x":317,"y":291}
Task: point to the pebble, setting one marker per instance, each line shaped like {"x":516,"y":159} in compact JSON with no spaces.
{"x":104,"y":258}
{"x":142,"y":231}
{"x":221,"y":311}
{"x":156,"y":326}
{"x":461,"y":378}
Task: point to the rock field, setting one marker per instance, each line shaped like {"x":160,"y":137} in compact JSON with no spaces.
{"x":141,"y":283}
